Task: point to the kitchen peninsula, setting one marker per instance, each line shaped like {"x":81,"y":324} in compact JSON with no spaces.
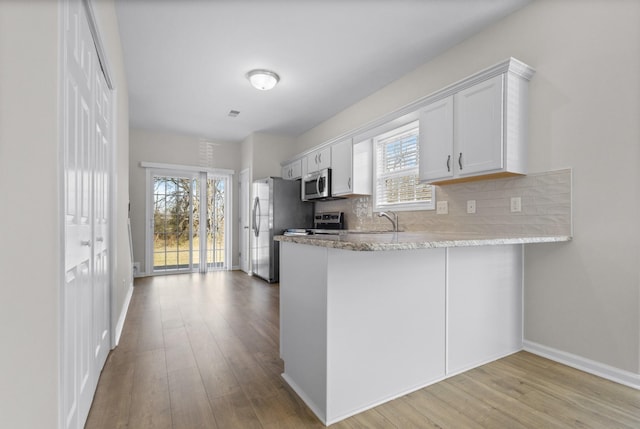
{"x":368,"y":317}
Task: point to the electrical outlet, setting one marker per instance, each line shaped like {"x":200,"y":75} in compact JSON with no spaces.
{"x":442,"y":207}
{"x":471,"y":206}
{"x":516,"y":204}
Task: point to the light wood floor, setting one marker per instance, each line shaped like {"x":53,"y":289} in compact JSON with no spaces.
{"x":201,"y":351}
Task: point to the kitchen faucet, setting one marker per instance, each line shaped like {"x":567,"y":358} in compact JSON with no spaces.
{"x":394,"y":221}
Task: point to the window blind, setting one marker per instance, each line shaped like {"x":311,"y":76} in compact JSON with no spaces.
{"x":397,"y":160}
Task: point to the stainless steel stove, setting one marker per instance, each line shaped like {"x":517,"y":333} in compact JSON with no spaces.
{"x":323,"y":223}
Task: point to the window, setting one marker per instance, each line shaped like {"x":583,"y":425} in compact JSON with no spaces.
{"x":396,"y":160}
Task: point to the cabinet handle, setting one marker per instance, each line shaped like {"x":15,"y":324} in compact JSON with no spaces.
{"x":316,"y":158}
{"x":349,"y":183}
{"x":460,"y":160}
{"x":449,"y":163}
{"x":319,"y":158}
{"x":85,"y":243}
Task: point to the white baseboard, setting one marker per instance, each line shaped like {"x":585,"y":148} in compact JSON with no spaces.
{"x":123,"y":315}
{"x":587,"y":365}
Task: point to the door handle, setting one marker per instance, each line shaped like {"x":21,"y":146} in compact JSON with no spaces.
{"x":256,"y":214}
{"x":254,"y":221}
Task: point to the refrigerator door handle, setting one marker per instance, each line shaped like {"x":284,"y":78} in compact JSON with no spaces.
{"x":256,"y":210}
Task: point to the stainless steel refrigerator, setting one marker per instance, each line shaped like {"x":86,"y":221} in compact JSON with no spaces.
{"x":276,"y":207}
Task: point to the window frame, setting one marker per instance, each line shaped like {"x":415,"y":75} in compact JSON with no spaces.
{"x":406,"y":123}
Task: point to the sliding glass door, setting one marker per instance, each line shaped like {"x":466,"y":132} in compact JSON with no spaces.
{"x":189,"y":230}
{"x":215,"y":225}
{"x":174,"y":200}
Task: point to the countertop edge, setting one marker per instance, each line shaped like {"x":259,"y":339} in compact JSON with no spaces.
{"x":391,"y":243}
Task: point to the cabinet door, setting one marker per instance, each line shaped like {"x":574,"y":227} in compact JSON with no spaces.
{"x":293,"y":170}
{"x":478,"y":128}
{"x":324,"y":158}
{"x":318,"y":160}
{"x":436,"y":140}
{"x":362,"y":168}
{"x":341,"y":168}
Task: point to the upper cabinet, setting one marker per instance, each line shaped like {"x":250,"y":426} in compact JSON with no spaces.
{"x":478,"y":125}
{"x":292,"y":170}
{"x":318,"y":160}
{"x":473,"y":129}
{"x":479,"y":129}
{"x":351,"y":168}
{"x":436,"y":140}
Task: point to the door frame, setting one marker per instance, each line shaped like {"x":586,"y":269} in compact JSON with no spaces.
{"x":244,"y":203}
{"x":153,"y":167}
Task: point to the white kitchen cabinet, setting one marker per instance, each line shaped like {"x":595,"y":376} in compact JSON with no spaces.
{"x":484,"y":305}
{"x":436,"y":140}
{"x":479,"y":129}
{"x":292,"y":170}
{"x":351,"y":168}
{"x":478,"y":121}
{"x":318,"y":160}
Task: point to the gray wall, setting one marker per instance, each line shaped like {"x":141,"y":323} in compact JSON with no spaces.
{"x":581,"y":297}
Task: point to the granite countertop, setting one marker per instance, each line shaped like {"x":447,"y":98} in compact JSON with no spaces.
{"x":372,"y":241}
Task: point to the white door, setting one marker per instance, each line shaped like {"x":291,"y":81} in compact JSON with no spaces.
{"x":86,"y":142}
{"x":101,"y":179}
{"x":243,"y":220}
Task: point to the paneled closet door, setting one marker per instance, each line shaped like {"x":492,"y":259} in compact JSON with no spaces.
{"x":86,"y":142}
{"x":101,"y":168}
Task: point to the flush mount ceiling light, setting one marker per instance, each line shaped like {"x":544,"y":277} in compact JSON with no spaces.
{"x":263,"y":80}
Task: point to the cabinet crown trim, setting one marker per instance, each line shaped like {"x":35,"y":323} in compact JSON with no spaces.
{"x":510,"y":65}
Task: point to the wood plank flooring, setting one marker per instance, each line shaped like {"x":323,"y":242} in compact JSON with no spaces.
{"x":201,"y":351}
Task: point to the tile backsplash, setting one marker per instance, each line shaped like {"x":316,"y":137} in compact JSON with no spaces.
{"x":546,"y":207}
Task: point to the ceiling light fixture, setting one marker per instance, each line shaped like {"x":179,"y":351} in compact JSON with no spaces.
{"x":263,"y":80}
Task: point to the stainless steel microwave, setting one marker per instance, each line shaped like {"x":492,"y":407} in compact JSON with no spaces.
{"x":317,"y":186}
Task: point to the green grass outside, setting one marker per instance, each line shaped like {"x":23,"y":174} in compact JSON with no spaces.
{"x":178,"y":253}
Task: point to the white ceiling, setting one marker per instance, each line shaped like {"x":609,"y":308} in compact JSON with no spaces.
{"x":186,"y":60}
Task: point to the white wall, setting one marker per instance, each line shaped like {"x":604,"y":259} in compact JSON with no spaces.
{"x":31,"y":254}
{"x":170,"y":148}
{"x":262,"y":154}
{"x":268,"y":151}
{"x":29,"y":217}
{"x":582,"y":297}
